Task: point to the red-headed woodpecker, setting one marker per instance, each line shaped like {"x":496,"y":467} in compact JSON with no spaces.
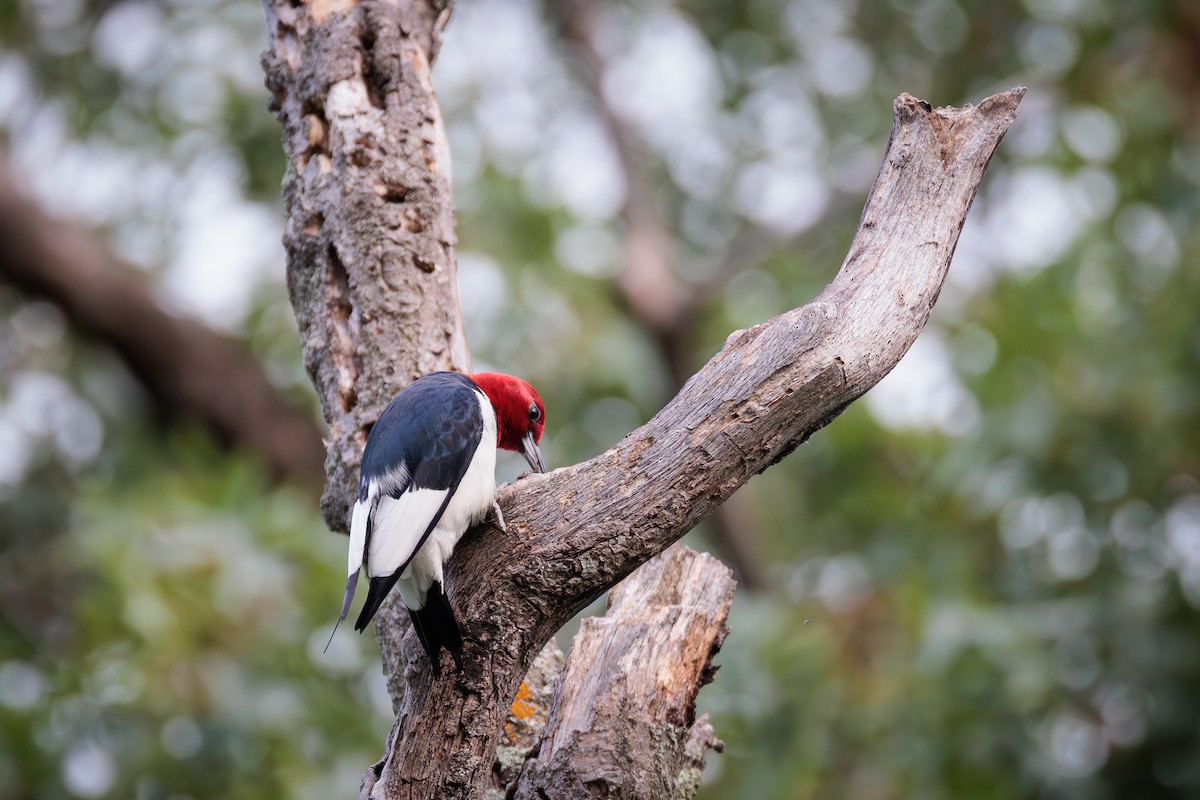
{"x":428,"y":474}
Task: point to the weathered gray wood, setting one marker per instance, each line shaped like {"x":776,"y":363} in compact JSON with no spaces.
{"x":370,"y":226}
{"x":623,"y":723}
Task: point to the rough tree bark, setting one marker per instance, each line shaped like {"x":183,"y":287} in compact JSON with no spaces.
{"x":372,"y":275}
{"x":370,"y":228}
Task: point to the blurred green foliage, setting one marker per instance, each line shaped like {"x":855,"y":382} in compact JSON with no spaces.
{"x":984,"y":577}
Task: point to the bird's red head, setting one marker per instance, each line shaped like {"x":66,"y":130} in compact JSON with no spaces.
{"x":520,"y":415}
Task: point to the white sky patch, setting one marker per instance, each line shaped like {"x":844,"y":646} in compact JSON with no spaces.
{"x":482,"y":289}
{"x":1090,"y":11}
{"x":497,"y":69}
{"x":183,"y":207}
{"x":667,"y":81}
{"x":1183,"y":532}
{"x":1049,"y":49}
{"x":1035,"y":132}
{"x":840,"y":68}
{"x":699,"y":165}
{"x":181,"y":737}
{"x":940,"y":25}
{"x":54,"y":15}
{"x":1032,"y":219}
{"x":1121,"y":708}
{"x":88,"y":770}
{"x":844,"y":582}
{"x":343,"y":657}
{"x":836,"y":64}
{"x":224,"y":244}
{"x":466,"y":150}
{"x":21,"y":686}
{"x":92,"y":180}
{"x":42,"y":405}
{"x":17,"y":97}
{"x":783,"y":196}
{"x":1182,"y":523}
{"x":582,"y":169}
{"x":924,"y":393}
{"x":192,"y":97}
{"x":784,"y":120}
{"x":494,"y":42}
{"x":1071,"y":550}
{"x":1147,"y":235}
{"x":590,"y":250}
{"x":16,"y":450}
{"x":1072,"y":553}
{"x":1092,"y":134}
{"x":1076,"y":746}
{"x":218,"y":246}
{"x":1096,"y":192}
{"x":839,"y":582}
{"x":511,"y":124}
{"x":1025,"y":221}
{"x":130,"y":38}
{"x":814,"y":19}
{"x":784,"y":190}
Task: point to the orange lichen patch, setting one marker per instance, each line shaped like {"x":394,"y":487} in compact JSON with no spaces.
{"x":521,"y":709}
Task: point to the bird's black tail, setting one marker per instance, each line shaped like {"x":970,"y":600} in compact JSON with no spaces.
{"x":376,"y":592}
{"x":437,"y":628}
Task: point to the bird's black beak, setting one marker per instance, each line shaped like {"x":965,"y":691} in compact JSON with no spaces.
{"x":532,"y":453}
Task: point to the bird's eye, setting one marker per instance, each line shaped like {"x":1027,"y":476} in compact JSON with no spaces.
{"x":535,"y":413}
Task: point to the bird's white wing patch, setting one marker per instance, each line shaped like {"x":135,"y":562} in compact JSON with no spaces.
{"x":358,"y":531}
{"x":399,"y":526}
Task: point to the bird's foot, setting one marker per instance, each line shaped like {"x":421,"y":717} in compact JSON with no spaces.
{"x":499,"y":517}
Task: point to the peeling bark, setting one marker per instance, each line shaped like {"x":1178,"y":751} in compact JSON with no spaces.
{"x":624,"y":719}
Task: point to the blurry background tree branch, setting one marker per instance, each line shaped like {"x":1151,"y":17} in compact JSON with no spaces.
{"x":189,"y":370}
{"x":649,"y":283}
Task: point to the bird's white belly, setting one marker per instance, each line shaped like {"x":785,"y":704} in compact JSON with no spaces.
{"x":468,"y":507}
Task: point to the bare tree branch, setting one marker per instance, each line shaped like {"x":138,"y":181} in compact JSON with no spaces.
{"x":624,"y":717}
{"x":188,"y":369}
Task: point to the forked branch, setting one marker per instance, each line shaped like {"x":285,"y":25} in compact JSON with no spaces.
{"x":371,"y":269}
{"x":579,"y":530}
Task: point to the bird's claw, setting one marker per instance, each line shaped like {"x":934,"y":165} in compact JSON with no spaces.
{"x":499,"y":517}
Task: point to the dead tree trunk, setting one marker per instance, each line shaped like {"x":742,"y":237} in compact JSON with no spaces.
{"x":371,"y":269}
{"x":624,"y":719}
